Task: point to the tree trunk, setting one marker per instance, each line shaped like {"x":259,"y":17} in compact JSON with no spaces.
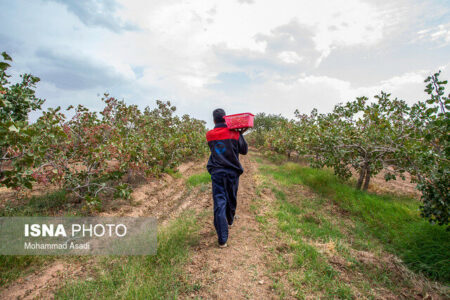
{"x":129,"y":176}
{"x":362,"y":172}
{"x":366,"y":182}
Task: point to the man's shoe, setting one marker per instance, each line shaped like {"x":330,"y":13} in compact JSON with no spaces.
{"x":234,"y":220}
{"x":223,"y":245}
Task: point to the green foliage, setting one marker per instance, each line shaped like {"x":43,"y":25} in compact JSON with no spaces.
{"x":16,"y":102}
{"x":126,"y":141}
{"x":361,"y":135}
{"x":89,"y":154}
{"x":371,"y":136}
{"x":262,"y":124}
{"x":429,"y":157}
{"x":123,"y":191}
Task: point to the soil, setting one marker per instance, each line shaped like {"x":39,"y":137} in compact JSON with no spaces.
{"x":238,"y":271}
{"x":398,"y":186}
{"x":43,"y":284}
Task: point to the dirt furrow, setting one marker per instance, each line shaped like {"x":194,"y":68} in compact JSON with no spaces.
{"x":238,"y":271}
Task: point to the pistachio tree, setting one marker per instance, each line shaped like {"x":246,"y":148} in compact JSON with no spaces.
{"x":428,"y":157}
{"x":17,"y":100}
{"x":89,"y":154}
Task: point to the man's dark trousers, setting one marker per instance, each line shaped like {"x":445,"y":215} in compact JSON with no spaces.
{"x":225,"y":184}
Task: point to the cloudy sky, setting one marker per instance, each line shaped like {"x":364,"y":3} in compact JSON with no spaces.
{"x":241,"y":55}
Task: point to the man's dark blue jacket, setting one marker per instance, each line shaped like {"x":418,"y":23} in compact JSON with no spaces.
{"x":225,"y":145}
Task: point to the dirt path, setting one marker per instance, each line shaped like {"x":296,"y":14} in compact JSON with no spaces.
{"x":239,"y":271}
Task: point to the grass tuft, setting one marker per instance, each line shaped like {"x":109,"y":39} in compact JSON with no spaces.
{"x":197,"y":179}
{"x":47,"y":204}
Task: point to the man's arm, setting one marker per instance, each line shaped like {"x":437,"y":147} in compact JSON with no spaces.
{"x":242,"y":144}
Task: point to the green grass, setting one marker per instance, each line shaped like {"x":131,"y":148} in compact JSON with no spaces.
{"x":274,"y":157}
{"x":394,"y":221}
{"x":197,"y":179}
{"x":311,"y":273}
{"x":15,"y":266}
{"x":143,"y":277}
{"x":44,"y":205}
{"x":173,"y":173}
{"x":311,"y":225}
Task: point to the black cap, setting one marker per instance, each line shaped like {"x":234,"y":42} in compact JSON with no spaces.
{"x":218,"y":115}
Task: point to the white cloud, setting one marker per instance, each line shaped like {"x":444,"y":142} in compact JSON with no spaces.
{"x":290,"y":57}
{"x":242,"y":55}
{"x":439,"y":35}
{"x":323,"y":92}
{"x":192,"y":28}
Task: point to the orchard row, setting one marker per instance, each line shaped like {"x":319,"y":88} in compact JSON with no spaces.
{"x":371,"y":136}
{"x":90,"y":153}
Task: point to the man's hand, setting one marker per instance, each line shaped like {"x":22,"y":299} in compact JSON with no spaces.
{"x":242,"y":130}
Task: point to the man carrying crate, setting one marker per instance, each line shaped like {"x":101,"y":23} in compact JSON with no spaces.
{"x":225,"y":169}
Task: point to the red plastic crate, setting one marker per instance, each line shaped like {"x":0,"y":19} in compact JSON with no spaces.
{"x":239,"y":121}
